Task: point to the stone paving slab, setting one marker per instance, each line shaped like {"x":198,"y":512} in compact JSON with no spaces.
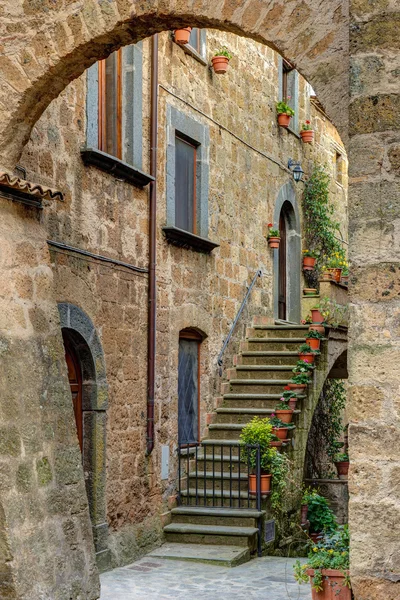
{"x":267,"y":578}
{"x":226,"y":556}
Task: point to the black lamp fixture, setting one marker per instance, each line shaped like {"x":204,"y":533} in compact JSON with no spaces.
{"x":297,"y":170}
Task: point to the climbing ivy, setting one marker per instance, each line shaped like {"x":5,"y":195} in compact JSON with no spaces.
{"x":319,"y":225}
{"x":335,"y":402}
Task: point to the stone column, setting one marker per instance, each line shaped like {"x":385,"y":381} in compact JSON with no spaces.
{"x":374,"y":352}
{"x":46,"y":542}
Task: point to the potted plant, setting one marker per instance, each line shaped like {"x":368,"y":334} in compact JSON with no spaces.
{"x":307,"y":133}
{"x":273,"y":236}
{"x":315,"y":327}
{"x":299,"y":382}
{"x":310,"y":291}
{"x":306,"y":354}
{"x":280,"y":428}
{"x":327,"y":567}
{"x":313,"y":339}
{"x":275,"y":441}
{"x":289,"y":397}
{"x":342,"y":465}
{"x":321,"y":517}
{"x":309,"y":259}
{"x":335,"y":265}
{"x":259,"y":432}
{"x":285,"y":112}
{"x":220,"y":60}
{"x":182,"y":36}
{"x":283,"y":412}
{"x":303,"y":367}
{"x":316,"y":316}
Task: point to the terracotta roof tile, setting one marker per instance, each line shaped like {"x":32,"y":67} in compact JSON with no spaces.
{"x":33,"y":189}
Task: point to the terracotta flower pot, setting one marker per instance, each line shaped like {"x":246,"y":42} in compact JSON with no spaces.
{"x":307,"y":136}
{"x":284,"y":120}
{"x":315,"y":327}
{"x":182,"y":36}
{"x":273,"y":242}
{"x":280,"y":432}
{"x":292,"y":403}
{"x":265,"y":484}
{"x":276,"y":444}
{"x":303,"y":513}
{"x":309,"y":291}
{"x":297,"y":386}
{"x":333,"y":584}
{"x":314,"y":343}
{"x":307,"y":356}
{"x":316,"y":316}
{"x":308,"y":263}
{"x":284,"y":415}
{"x":342,"y":468}
{"x":220,"y":64}
{"x":335,"y":274}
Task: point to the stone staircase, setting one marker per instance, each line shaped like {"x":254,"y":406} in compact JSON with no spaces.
{"x":228,"y":535}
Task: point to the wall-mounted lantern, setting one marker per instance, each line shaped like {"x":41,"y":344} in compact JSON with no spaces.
{"x":297,"y":170}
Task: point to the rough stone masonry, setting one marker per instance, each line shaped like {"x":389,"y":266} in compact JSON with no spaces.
{"x":46,"y":546}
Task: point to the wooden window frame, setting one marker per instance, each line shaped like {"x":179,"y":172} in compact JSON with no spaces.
{"x":286,"y":69}
{"x":193,"y":335}
{"x":194,"y":145}
{"x":102,"y":114}
{"x":197,"y":48}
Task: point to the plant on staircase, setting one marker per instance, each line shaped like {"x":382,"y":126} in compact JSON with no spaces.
{"x":258,"y":432}
{"x":303,"y":366}
{"x":299,"y":381}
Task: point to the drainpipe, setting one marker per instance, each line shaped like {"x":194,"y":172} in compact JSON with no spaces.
{"x":151,"y":346}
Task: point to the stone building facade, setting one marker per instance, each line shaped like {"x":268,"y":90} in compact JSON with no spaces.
{"x":44,"y":47}
{"x":246,"y":181}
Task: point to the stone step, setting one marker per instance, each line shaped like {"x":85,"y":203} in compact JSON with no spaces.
{"x":219,"y":555}
{"x":229,"y":431}
{"x":255,"y":386}
{"x":215,"y":480}
{"x":226,"y":497}
{"x":267,"y":357}
{"x":271,"y":344}
{"x":277,"y":331}
{"x":212,"y":534}
{"x":254,"y":400}
{"x":250,"y":372}
{"x":215,"y":516}
{"x":243,"y":414}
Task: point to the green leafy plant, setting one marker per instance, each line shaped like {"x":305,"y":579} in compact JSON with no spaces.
{"x":331,"y":553}
{"x":306,"y":126}
{"x":258,"y":431}
{"x":224,"y":52}
{"x":316,"y":335}
{"x":320,"y":515}
{"x":283,"y":108}
{"x":334,"y":314}
{"x":311,"y":253}
{"x":305,"y":349}
{"x":282,"y":405}
{"x":302,"y":378}
{"x":303,"y":366}
{"x":278,"y":424}
{"x":273,"y":232}
{"x":342,"y":457}
{"x":280,"y":468}
{"x":307,"y":320}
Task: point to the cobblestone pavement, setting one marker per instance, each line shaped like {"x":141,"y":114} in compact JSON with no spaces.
{"x":268,"y":578}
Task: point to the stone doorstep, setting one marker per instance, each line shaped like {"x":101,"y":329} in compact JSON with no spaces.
{"x":224,"y":556}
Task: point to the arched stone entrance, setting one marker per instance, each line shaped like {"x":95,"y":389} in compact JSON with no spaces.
{"x":287,"y":305}
{"x":83,"y":344}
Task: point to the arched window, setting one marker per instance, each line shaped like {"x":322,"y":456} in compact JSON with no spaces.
{"x":189,"y":386}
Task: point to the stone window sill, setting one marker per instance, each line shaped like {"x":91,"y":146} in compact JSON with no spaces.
{"x":185,"y":239}
{"x":116,"y":167}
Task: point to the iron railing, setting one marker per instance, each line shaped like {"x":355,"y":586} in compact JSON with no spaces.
{"x":217,"y":476}
{"x":228,"y":337}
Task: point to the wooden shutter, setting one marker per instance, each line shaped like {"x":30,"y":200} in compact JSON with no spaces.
{"x":110,"y":105}
{"x":188,"y":388}
{"x":185,"y":185}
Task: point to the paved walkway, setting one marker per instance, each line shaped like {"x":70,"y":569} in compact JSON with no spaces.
{"x":266,"y":578}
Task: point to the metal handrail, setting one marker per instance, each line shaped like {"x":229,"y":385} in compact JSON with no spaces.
{"x":226,"y":342}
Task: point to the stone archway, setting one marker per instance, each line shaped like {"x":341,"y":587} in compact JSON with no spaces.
{"x":79,"y":330}
{"x":59,"y":43}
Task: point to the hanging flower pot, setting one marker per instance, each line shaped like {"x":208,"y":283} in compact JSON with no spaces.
{"x":307,"y":134}
{"x":317,"y":316}
{"x":285,"y":113}
{"x":273,"y":242}
{"x":265,"y":484}
{"x":314,"y":343}
{"x":285,"y":416}
{"x":220,"y":60}
{"x":182,"y":36}
{"x":284,"y":120}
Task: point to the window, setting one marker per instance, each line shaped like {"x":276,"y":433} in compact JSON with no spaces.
{"x":187,"y":173}
{"x":114,"y":115}
{"x":289,"y":89}
{"x":194,"y":40}
{"x":185,"y":184}
{"x":338,"y":166}
{"x":189,"y":387}
{"x":197,"y":45}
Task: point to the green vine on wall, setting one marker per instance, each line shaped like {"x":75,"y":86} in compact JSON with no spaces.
{"x":319,"y":226}
{"x":335,"y":402}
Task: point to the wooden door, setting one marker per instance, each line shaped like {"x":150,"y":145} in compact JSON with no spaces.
{"x":189,"y":387}
{"x":75,"y":382}
{"x":282,"y":287}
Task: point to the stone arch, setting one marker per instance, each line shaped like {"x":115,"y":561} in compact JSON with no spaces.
{"x":81,"y":333}
{"x":287,"y":200}
{"x":63,"y":41}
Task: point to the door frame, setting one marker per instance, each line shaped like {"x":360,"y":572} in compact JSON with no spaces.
{"x":287,"y":197}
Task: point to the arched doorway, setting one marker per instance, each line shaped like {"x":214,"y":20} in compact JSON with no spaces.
{"x":287,"y":260}
{"x":75,"y":382}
